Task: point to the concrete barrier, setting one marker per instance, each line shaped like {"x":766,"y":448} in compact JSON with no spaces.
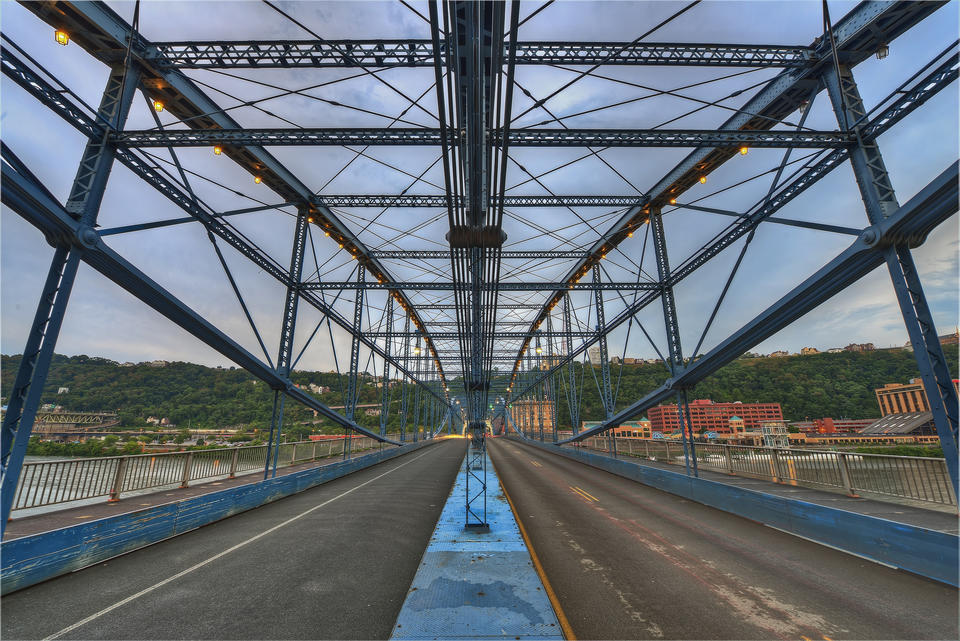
{"x":32,"y":559}
{"x":930,"y":553}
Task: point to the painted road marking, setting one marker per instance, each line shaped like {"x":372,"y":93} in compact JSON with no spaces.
{"x":583,"y":494}
{"x":588,"y":493}
{"x":236,"y":547}
{"x":535,"y":463}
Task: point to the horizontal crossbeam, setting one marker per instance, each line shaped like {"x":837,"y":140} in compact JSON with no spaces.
{"x":516,"y":138}
{"x":501,"y":286}
{"x":420,"y":53}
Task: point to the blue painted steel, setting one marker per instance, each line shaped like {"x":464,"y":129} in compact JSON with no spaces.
{"x":387,"y":391}
{"x":32,"y":559}
{"x":926,"y":552}
{"x":476,"y":584}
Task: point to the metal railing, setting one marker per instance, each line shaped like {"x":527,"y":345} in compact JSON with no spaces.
{"x":44,"y":483}
{"x":906,"y":477}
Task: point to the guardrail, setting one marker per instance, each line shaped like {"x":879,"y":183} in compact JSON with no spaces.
{"x":45,"y":483}
{"x":881,"y":475}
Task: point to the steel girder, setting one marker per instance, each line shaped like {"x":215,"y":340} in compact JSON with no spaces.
{"x":914,"y":220}
{"x":516,"y":138}
{"x":29,"y":199}
{"x":503,"y":286}
{"x":34,"y":84}
{"x":907,"y":101}
{"x":441,"y":200}
{"x":105,"y":35}
{"x":420,"y":53}
{"x":451,"y":336}
{"x":859,"y":34}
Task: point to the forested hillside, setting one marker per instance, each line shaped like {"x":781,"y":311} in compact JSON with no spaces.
{"x":837,"y":385}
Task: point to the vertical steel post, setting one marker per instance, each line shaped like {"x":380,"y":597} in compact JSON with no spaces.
{"x":417,"y":400}
{"x":552,"y":380}
{"x":571,"y":366}
{"x":606,"y":391}
{"x":287,"y":333}
{"x":385,"y":381}
{"x":83,"y":203}
{"x":880,"y":202}
{"x":539,"y":391}
{"x":404,"y":383}
{"x":353,"y":387}
{"x":673,"y":330}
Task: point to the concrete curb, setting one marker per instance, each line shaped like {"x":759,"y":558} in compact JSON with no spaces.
{"x":929,"y":553}
{"x":38,"y":557}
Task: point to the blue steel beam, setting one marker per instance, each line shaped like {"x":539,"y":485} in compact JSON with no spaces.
{"x":387,"y":348}
{"x":83,"y":204}
{"x":909,"y":97}
{"x":27,"y":198}
{"x":914,"y":220}
{"x":54,"y":99}
{"x":284,"y":54}
{"x":104,"y":34}
{"x":880,"y":202}
{"x":859,"y":34}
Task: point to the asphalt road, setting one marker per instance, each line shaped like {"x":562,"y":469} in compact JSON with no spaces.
{"x":334,"y":562}
{"x":631,"y":562}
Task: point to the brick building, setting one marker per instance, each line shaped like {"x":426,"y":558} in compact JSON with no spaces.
{"x":705,"y":415}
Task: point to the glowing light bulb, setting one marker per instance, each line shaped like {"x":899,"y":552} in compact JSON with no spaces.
{"x":217,"y":151}
{"x":703,"y":180}
{"x":257,"y":179}
{"x":744,"y":150}
{"x":673,"y":201}
{"x":157,"y":106}
{"x":62,"y":37}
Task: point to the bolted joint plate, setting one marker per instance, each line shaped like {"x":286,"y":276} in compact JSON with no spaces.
{"x":466,"y":236}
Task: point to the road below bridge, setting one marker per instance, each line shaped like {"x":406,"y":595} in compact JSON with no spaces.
{"x":631,"y":562}
{"x":333,"y":562}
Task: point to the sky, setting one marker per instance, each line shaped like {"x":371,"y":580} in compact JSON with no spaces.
{"x":103,"y":320}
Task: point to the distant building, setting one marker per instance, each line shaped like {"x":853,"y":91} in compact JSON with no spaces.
{"x":896,"y":398}
{"x":63,"y":390}
{"x":832,"y":425}
{"x":705,"y":415}
{"x":527,"y":413}
{"x":806,"y":351}
{"x":946,"y":339}
{"x":628,"y":429}
{"x":834,"y":350}
{"x":779,"y":354}
{"x":859,"y":347}
{"x":372,"y":412}
{"x":775,"y":434}
{"x":318,"y":389}
{"x":594,"y":354}
{"x":157,"y":364}
{"x":736,"y":425}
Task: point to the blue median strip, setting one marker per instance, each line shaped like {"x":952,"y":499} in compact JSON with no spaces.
{"x":474,"y":584}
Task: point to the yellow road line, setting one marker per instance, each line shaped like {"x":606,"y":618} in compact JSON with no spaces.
{"x":826,"y":638}
{"x":535,"y":463}
{"x":588,"y":493}
{"x":554,"y":601}
{"x":578,"y":492}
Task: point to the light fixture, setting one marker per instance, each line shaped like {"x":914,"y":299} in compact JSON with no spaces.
{"x":309,"y":219}
{"x":341,"y":245}
{"x":743,"y":151}
{"x":62,"y":37}
{"x":703,"y":180}
{"x":673,"y":201}
{"x":257,"y":179}
{"x":416,"y":351}
{"x":217,"y":150}
{"x":539,"y":350}
{"x":802,"y":107}
{"x":157,"y":106}
{"x":326,"y":233}
{"x":629,"y":234}
{"x":882,"y":51}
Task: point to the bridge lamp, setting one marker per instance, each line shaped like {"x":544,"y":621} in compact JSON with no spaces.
{"x":703,"y":180}
{"x":673,"y":201}
{"x":744,"y":150}
{"x":157,"y":106}
{"x":539,"y":350}
{"x":416,"y":351}
{"x":882,"y":52}
{"x":257,"y":179}
{"x":217,"y":150}
{"x":62,"y":37}
{"x":326,"y":233}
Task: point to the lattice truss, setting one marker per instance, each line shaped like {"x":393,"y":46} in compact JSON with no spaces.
{"x":472,"y":196}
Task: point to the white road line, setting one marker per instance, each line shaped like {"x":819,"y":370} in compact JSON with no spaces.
{"x":236,"y":547}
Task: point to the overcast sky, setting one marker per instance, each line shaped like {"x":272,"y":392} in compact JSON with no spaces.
{"x":106,"y":321}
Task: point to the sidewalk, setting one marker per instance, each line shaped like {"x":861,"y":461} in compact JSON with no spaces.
{"x":933,"y":518}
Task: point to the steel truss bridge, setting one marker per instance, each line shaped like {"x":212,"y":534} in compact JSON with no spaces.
{"x":472,"y":280}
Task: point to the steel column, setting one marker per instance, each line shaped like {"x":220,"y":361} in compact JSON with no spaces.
{"x":353,"y":387}
{"x":880,"y":202}
{"x":83,"y":204}
{"x":287,"y":334}
{"x":676,"y":363}
{"x":572,"y":400}
{"x":385,"y":381}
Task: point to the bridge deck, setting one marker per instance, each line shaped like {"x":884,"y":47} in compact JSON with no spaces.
{"x":630,"y":562}
{"x":331,"y":562}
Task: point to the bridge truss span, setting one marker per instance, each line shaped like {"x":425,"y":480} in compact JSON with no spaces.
{"x":498,"y":215}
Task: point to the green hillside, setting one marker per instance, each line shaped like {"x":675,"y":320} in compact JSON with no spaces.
{"x":838,"y":385}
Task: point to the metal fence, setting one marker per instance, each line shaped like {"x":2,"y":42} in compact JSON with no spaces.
{"x":51,"y":482}
{"x":906,"y":477}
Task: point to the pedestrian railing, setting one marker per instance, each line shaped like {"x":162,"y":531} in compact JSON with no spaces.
{"x":45,"y":483}
{"x":879,"y":475}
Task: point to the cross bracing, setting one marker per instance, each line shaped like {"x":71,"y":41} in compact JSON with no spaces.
{"x":442,"y":242}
